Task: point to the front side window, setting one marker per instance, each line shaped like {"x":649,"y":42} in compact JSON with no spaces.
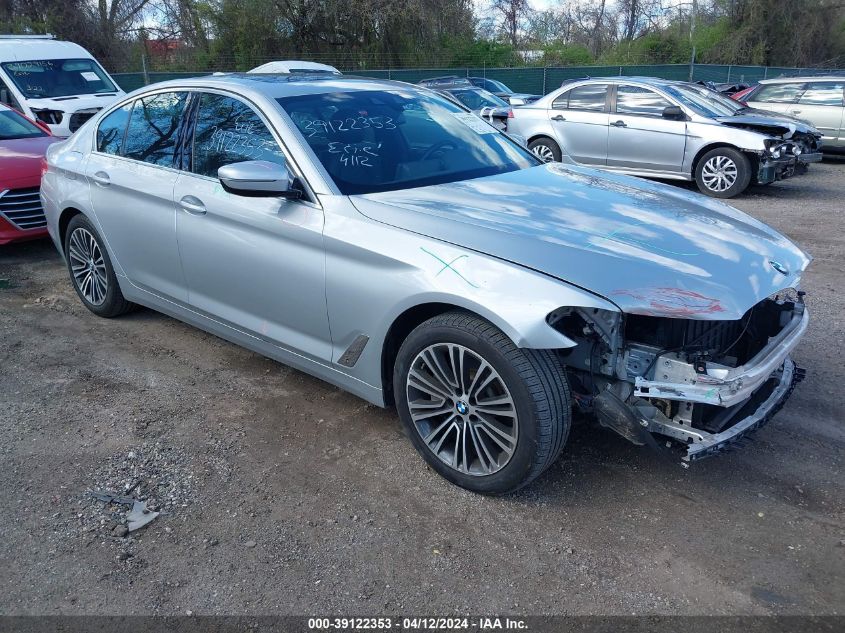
{"x":778,"y":93}
{"x":50,"y":78}
{"x":153,"y":128}
{"x":824,"y":93}
{"x":14,"y":126}
{"x":383,"y":140}
{"x":638,"y":101}
{"x":591,"y":97}
{"x":112,"y":129}
{"x":229,"y":131}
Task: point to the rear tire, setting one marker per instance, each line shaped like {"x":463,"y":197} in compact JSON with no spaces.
{"x":491,"y":426}
{"x":545,"y":149}
{"x":723,"y":173}
{"x":91,"y":270}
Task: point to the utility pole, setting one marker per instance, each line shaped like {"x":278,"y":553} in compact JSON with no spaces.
{"x":692,"y":41}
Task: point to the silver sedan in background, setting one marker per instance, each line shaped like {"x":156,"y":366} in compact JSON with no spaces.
{"x":384,"y":239}
{"x":666,"y":129}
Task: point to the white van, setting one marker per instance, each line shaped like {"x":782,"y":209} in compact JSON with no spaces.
{"x":59,"y":83}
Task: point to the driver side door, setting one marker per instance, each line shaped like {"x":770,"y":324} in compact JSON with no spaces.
{"x":254,"y":263}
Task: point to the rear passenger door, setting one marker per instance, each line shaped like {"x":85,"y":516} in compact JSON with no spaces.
{"x":579,"y":118}
{"x":639,"y":137}
{"x":822,"y":104}
{"x":131,"y":175}
{"x":255,"y":263}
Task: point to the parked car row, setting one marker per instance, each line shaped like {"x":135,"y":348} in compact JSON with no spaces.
{"x":382,"y":237}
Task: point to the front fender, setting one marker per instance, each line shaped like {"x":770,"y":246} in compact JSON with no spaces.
{"x":375,"y":273}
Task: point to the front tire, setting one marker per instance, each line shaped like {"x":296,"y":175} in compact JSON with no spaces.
{"x":91,"y":270}
{"x":723,"y":173}
{"x":485,"y":414}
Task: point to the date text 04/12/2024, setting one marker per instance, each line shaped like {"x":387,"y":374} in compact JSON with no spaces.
{"x":417,"y":623}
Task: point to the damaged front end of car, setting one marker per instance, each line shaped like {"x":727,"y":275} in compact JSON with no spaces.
{"x":789,"y":150}
{"x":676,"y":382}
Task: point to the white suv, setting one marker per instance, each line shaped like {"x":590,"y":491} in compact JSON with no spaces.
{"x":817,"y":100}
{"x":57,"y":83}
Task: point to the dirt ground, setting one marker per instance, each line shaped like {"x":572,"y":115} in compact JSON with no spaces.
{"x":283,"y":495}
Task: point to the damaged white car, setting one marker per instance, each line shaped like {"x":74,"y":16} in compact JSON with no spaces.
{"x":380,"y":237}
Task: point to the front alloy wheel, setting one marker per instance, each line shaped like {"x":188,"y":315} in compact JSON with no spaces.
{"x":485,"y":414}
{"x":462,"y":409}
{"x":723,"y":172}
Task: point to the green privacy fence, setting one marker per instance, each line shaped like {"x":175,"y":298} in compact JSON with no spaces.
{"x":533,"y":79}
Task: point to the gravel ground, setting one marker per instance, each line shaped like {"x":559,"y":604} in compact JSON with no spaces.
{"x":280,"y":494}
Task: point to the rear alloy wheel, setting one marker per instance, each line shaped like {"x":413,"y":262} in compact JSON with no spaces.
{"x":91,"y":270}
{"x":545,"y":149}
{"x":485,"y":414}
{"x":723,"y":173}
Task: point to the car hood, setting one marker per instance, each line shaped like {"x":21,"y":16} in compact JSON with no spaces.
{"x":647,"y":247}
{"x":769,"y":123}
{"x":21,"y":159}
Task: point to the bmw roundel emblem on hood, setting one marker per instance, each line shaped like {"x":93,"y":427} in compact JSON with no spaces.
{"x":778,"y":267}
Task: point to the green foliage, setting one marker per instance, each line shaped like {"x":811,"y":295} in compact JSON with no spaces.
{"x":665,"y":47}
{"x":567,"y":55}
{"x":469,"y":52}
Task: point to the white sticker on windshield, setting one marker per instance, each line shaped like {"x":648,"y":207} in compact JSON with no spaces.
{"x":473,"y":121}
{"x":91,"y":76}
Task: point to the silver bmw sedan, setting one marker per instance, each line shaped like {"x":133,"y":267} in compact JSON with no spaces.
{"x":376,"y":235}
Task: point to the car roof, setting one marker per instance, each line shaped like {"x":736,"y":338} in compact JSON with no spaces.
{"x":282,"y":85}
{"x":26,"y":49}
{"x":806,"y":78}
{"x":641,"y":80}
{"x":294,"y":65}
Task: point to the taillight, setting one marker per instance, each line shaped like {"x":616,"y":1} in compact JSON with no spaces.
{"x":510,"y":114}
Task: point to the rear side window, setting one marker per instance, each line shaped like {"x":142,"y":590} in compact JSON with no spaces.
{"x":111,"y":131}
{"x":639,"y":101}
{"x":229,"y":131}
{"x":591,"y":97}
{"x":153,"y":128}
{"x":827,"y":93}
{"x":778,"y":93}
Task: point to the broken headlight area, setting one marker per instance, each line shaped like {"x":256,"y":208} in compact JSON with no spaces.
{"x":699,"y":385}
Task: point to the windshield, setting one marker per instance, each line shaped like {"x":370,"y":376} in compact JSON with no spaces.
{"x":13,"y":125}
{"x":50,"y":78}
{"x":379,"y":140}
{"x":475,"y":99}
{"x":498,"y":86}
{"x":701,"y":100}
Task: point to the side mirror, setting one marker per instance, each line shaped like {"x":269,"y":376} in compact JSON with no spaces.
{"x":674,"y":113}
{"x":258,"y":178}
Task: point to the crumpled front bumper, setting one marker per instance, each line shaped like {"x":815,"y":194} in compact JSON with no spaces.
{"x":748,"y":396}
{"x":725,"y":386}
{"x":711,"y":444}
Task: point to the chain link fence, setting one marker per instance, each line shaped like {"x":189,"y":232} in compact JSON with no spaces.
{"x":536,"y":80}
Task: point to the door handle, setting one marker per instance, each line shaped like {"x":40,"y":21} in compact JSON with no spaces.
{"x":101,"y":178}
{"x":192,"y":205}
{"x":558,"y":117}
{"x":796,"y":112}
{"x":619,"y":124}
